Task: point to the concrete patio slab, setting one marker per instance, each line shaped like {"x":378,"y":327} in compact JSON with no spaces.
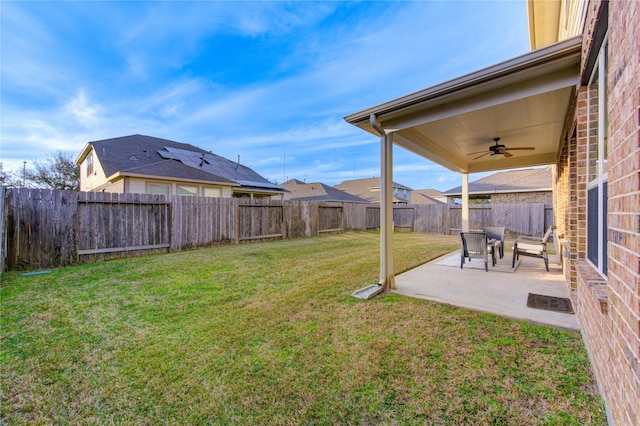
{"x":499,"y":293}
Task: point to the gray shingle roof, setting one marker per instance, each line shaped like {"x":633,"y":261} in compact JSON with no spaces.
{"x":140,"y":154}
{"x":426,"y":196}
{"x":368,"y":188}
{"x":526,"y":180}
{"x":317,"y":191}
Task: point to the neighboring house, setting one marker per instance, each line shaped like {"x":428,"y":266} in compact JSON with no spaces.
{"x":510,"y":187}
{"x":316,"y":191}
{"x":427,"y":196}
{"x":148,"y":165}
{"x":369,"y":189}
{"x":572,"y":102}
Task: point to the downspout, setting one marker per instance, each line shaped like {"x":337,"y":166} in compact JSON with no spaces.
{"x":387,"y":278}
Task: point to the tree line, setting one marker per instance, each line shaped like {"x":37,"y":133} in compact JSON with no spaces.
{"x":56,"y":172}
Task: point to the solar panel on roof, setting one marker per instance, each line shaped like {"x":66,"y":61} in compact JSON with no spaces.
{"x":258,"y":184}
{"x":218,"y":166}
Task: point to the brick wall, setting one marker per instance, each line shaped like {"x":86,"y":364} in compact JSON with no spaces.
{"x":565,"y":208}
{"x":523,"y":197}
{"x":624,"y":201}
{"x":609,"y":308}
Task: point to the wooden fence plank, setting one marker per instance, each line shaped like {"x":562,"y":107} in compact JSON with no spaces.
{"x":45,"y":228}
{"x":3,"y":229}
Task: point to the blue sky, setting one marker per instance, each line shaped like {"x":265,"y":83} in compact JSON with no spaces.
{"x":269,"y":81}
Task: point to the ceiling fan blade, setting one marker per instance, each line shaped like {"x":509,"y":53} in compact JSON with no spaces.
{"x":507,"y":154}
{"x":479,"y":152}
{"x":480,"y":156}
{"x":526,"y":148}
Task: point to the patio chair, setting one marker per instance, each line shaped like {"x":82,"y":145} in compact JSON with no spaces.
{"x":496,"y":233}
{"x":533,"y":247}
{"x":476,"y":245}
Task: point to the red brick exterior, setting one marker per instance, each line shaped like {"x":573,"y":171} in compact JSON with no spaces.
{"x":608,"y":308}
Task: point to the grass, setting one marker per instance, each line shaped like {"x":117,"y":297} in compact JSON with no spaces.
{"x":267,"y":333}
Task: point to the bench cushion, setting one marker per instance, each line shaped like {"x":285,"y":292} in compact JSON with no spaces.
{"x":530,"y":248}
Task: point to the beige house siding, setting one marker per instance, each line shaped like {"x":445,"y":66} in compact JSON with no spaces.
{"x":137,"y":186}
{"x":141,"y":186}
{"x":89,"y":182}
{"x":97,"y":182}
{"x":570,"y":18}
{"x":117,"y":186}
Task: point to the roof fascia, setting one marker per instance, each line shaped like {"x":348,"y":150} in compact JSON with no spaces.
{"x":600,"y":31}
{"x":256,"y":191}
{"x":83,"y":154}
{"x":504,"y":191}
{"x":516,"y":68}
{"x":120,"y":175}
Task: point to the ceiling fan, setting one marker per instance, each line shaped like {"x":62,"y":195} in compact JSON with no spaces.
{"x":499,"y":150}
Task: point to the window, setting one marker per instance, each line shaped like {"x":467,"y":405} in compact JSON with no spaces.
{"x":212,"y":192}
{"x":597,"y":140}
{"x":90,"y":164}
{"x":187,"y":190}
{"x":159,"y":188}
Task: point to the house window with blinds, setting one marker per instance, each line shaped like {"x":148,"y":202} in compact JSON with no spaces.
{"x":598,"y":136}
{"x":90,"y":164}
{"x":159,"y":188}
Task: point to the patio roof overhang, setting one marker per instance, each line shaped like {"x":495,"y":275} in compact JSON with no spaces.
{"x":524,"y":101}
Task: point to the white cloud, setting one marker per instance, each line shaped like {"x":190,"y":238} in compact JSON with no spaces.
{"x":81,"y":109}
{"x":76,"y":72}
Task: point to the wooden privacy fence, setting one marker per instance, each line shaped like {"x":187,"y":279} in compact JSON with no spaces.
{"x":518,"y":219}
{"x":111,"y":223}
{"x":45,"y":228}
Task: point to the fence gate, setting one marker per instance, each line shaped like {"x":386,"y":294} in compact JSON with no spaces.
{"x":330,"y":218}
{"x":373,"y":218}
{"x":40,"y":228}
{"x":260,"y":220}
{"x":114,"y":225}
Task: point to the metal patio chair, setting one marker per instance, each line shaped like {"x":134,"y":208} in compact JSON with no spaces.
{"x":475,"y":245}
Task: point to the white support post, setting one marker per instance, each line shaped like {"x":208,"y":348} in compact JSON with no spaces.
{"x":465,"y":202}
{"x":387,"y":279}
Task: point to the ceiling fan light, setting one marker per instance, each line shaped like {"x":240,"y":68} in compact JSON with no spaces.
{"x":497,"y":154}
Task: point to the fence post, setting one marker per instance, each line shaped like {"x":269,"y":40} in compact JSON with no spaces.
{"x":3,"y":229}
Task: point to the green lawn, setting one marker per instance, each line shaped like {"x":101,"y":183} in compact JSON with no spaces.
{"x":267,"y":333}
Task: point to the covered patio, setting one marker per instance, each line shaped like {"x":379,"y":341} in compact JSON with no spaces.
{"x":523,"y":101}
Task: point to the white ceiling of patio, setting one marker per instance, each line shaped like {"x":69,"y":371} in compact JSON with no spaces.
{"x":523,"y":101}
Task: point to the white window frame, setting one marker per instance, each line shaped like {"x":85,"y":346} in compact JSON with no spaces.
{"x":158,"y":184}
{"x":600,"y":70}
{"x":189,"y":188}
{"x":211,"y":188}
{"x":89,"y":163}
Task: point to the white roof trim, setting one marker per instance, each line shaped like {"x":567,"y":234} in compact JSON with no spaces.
{"x":537,"y":63}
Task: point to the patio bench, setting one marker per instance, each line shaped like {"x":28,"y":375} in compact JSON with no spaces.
{"x":533,"y":247}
